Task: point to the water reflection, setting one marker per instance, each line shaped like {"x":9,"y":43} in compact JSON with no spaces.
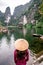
{"x":33,"y":31}
{"x":12,"y":41}
{"x":6,"y":52}
{"x":24,"y":31}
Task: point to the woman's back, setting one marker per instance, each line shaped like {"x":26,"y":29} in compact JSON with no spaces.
{"x":20,"y":57}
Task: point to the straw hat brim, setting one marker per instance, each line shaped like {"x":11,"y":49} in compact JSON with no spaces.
{"x":21,"y":44}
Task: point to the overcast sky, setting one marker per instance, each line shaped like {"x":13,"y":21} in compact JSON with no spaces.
{"x":11,"y":3}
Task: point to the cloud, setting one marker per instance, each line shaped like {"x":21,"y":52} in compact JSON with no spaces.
{"x":11,"y":3}
{"x":2,"y":6}
{"x":2,"y":3}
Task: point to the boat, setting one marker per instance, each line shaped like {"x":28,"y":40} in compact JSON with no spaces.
{"x":36,"y":35}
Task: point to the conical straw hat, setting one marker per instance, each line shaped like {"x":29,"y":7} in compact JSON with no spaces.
{"x":21,"y":44}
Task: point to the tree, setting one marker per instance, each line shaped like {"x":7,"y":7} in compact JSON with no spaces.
{"x":41,"y":9}
{"x":37,"y":15}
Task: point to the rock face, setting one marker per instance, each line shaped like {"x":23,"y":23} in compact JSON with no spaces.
{"x":5,"y":16}
{"x":21,"y":9}
{"x":7,"y":12}
{"x":31,"y":10}
{"x":1,"y":17}
{"x":1,"y":14}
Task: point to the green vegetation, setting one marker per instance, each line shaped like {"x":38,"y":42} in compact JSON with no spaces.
{"x":2,"y":19}
{"x":13,"y":21}
{"x":37,"y":45}
{"x":39,"y":15}
{"x":28,"y":26}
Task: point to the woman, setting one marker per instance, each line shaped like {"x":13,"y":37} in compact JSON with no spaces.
{"x":21,"y":54}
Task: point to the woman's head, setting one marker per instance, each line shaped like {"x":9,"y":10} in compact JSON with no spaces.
{"x":20,"y":54}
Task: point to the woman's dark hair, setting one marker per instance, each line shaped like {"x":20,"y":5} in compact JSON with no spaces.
{"x":20,"y":54}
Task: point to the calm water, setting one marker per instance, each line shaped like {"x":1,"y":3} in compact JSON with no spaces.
{"x":7,"y":44}
{"x":6,"y":51}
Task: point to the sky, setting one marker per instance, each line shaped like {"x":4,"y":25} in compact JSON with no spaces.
{"x":12,"y":4}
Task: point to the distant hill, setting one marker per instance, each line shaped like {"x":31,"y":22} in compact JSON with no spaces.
{"x":29,"y":9}
{"x":3,"y":16}
{"x":21,"y":9}
{"x":7,"y":12}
